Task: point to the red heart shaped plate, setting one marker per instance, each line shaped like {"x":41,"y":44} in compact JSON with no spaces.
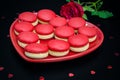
{"x":93,"y":46}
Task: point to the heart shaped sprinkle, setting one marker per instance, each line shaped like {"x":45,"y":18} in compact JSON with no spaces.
{"x":10,"y":75}
{"x":71,"y":74}
{"x":1,"y":68}
{"x":41,"y":78}
{"x":109,"y":67}
{"x":92,"y":72}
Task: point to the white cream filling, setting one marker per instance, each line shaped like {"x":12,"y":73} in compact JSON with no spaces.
{"x":93,"y":38}
{"x":76,"y":31}
{"x":34,"y":31}
{"x":24,"y":44}
{"x":17,"y":33}
{"x":38,"y":55}
{"x":60,"y":38}
{"x":46,"y":36}
{"x":42,"y":22}
{"x":35,"y":23}
{"x":79,"y":49}
{"x":57,"y":53}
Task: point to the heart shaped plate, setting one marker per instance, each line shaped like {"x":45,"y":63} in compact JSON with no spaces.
{"x":72,"y":55}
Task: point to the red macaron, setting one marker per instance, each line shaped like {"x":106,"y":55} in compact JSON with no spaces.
{"x":45,"y":15}
{"x":58,"y":47}
{"x":25,"y":38}
{"x":88,"y":31}
{"x":78,"y":43}
{"x":36,"y":50}
{"x":58,"y":21}
{"x":64,"y":32}
{"x":28,"y":17}
{"x":76,"y":22}
{"x":23,"y":26}
{"x":44,"y":31}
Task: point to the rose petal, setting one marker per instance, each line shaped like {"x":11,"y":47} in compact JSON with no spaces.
{"x":71,"y":9}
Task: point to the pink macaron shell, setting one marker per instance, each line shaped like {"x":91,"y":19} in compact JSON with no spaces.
{"x":88,"y":31}
{"x":58,"y":21}
{"x":28,"y":37}
{"x":78,"y":40}
{"x":46,"y":14}
{"x":27,"y":16}
{"x":36,"y":48}
{"x":76,"y":22}
{"x":58,"y":45}
{"x":64,"y":31}
{"x":44,"y":29}
{"x":23,"y":26}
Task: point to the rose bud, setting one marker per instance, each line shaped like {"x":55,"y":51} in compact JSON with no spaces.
{"x":71,"y":9}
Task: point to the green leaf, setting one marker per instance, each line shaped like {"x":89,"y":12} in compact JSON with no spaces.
{"x":102,"y":14}
{"x":105,"y":14}
{"x":74,"y":0}
{"x":85,"y":16}
{"x":98,"y":5}
{"x":87,"y":8}
{"x":95,"y":13}
{"x":67,"y":0}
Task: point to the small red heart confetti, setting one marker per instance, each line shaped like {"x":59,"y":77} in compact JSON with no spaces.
{"x":1,"y":68}
{"x":109,"y":67}
{"x":116,"y":54}
{"x":92,"y":72}
{"x":71,"y":74}
{"x":41,"y":78}
{"x":10,"y":75}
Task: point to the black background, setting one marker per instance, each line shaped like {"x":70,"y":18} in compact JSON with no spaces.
{"x":106,"y":55}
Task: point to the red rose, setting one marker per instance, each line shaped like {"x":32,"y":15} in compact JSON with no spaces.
{"x":71,"y":9}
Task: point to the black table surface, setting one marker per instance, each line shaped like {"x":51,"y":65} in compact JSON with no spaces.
{"x":102,"y":64}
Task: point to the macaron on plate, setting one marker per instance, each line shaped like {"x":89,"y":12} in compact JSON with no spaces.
{"x":70,"y":56}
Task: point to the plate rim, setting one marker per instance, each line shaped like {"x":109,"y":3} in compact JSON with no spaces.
{"x":55,"y":59}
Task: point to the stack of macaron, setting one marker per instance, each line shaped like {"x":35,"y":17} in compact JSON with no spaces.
{"x":63,"y":35}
